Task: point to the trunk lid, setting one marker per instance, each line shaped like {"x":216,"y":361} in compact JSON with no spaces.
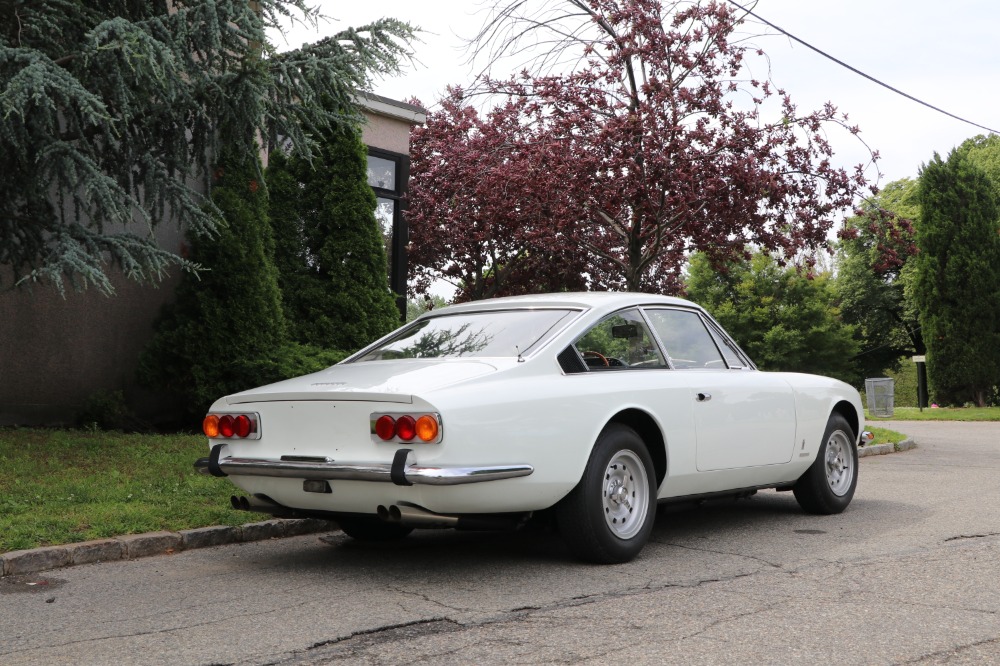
{"x":383,"y":381}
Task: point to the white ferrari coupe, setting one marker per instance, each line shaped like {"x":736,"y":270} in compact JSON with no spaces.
{"x":598,"y":406}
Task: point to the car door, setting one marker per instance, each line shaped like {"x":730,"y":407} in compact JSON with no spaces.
{"x":743,"y":417}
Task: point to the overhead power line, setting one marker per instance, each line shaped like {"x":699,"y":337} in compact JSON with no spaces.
{"x":859,"y":72}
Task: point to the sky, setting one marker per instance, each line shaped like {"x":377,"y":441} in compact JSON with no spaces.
{"x":942,"y":53}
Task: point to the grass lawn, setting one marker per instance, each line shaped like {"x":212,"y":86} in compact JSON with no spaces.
{"x":884,"y":436}
{"x":63,"y":486}
{"x":940,"y":414}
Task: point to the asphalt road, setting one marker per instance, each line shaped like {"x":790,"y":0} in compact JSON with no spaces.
{"x":910,"y":574}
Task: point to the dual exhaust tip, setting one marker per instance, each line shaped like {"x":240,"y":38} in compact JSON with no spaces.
{"x":409,"y":515}
{"x":399,"y":514}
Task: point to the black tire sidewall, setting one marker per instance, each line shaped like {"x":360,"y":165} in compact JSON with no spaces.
{"x":812,"y":491}
{"x":580,"y":515}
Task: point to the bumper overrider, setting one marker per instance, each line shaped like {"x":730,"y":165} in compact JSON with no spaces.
{"x":400,"y":471}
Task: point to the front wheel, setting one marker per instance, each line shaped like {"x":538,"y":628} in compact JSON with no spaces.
{"x":828,"y":485}
{"x":608,"y":516}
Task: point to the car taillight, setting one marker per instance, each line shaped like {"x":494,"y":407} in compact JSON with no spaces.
{"x":385,"y":427}
{"x":427,"y":428}
{"x":231,"y":426}
{"x":242,"y":425}
{"x":406,"y":427}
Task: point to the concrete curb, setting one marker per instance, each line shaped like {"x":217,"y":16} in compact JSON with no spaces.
{"x":883,"y":449}
{"x":155,"y":543}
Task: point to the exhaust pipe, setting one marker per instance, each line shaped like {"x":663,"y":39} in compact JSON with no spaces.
{"x":260,"y":503}
{"x":416,"y":517}
{"x":410,"y":515}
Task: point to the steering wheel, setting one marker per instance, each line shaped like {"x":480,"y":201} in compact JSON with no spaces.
{"x":604,"y":359}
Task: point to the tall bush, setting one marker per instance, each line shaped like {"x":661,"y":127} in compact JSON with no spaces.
{"x":329,"y":249}
{"x":958,"y":272}
{"x":225,"y":332}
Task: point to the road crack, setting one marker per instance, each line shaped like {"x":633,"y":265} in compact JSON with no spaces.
{"x":722,"y":552}
{"x":972,"y":536}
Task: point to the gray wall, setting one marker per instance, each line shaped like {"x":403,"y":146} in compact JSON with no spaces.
{"x":57,"y":352}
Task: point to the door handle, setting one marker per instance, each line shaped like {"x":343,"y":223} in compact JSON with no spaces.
{"x":704,"y":397}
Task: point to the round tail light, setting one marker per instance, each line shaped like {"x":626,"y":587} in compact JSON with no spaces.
{"x":242,"y":425}
{"x":210,"y":426}
{"x":406,"y":428}
{"x":385,"y":427}
{"x":427,"y":428}
{"x":227,"y":425}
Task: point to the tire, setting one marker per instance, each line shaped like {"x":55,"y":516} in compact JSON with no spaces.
{"x":828,"y":485}
{"x":608,"y":516}
{"x":373,"y":529}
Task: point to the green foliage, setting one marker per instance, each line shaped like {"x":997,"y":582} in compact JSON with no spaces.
{"x":874,"y":293}
{"x":111,"y":112}
{"x":108,"y":410}
{"x":330,"y":253}
{"x":785,"y":320}
{"x":904,"y":383}
{"x":226,"y":326}
{"x":418,"y":306}
{"x":884,"y":436}
{"x":984,"y":151}
{"x":293,"y":359}
{"x":958,"y":270}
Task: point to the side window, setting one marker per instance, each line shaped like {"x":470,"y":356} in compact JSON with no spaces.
{"x":685,"y":339}
{"x":621,"y":341}
{"x":732,"y":354}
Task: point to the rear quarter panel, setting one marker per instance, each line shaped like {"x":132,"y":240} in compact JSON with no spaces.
{"x":551,"y":421}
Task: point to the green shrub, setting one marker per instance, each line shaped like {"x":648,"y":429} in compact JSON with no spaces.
{"x":294,"y":359}
{"x":223,"y":331}
{"x":329,"y":248}
{"x":108,"y":410}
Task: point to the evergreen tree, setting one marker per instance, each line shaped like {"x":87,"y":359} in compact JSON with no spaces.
{"x":784,"y":319}
{"x":113,"y":110}
{"x":226,"y":328}
{"x":958,"y":273}
{"x":875,"y":271}
{"x":330,"y":252}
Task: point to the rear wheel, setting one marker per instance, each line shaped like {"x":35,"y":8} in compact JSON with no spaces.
{"x":608,"y":516}
{"x":828,"y":485}
{"x":372,"y":529}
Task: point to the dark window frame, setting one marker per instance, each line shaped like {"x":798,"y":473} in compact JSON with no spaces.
{"x":399,"y":264}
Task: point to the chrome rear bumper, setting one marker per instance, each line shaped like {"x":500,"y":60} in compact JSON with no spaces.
{"x":400,"y":471}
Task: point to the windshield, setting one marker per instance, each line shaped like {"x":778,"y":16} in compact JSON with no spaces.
{"x":470,"y":335}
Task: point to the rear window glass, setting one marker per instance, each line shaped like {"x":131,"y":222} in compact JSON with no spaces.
{"x":471,"y":335}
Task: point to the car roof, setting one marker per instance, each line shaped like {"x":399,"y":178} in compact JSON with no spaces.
{"x":585,"y":300}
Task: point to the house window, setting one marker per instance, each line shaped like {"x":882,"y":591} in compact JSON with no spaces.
{"x":381,"y":173}
{"x":388,"y":174}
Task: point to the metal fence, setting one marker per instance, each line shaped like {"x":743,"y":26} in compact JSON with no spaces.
{"x":881,"y":395}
